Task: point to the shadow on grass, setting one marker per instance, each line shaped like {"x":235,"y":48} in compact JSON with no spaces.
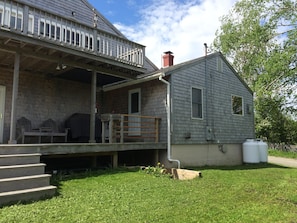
{"x":62,"y":176}
{"x":240,"y":167}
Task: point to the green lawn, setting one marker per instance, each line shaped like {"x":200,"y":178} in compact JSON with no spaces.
{"x":249,"y":193}
{"x":289,"y":154}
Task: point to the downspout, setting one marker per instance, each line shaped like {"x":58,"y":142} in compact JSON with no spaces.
{"x":168,"y":108}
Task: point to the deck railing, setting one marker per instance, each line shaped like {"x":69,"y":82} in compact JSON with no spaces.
{"x":129,"y":128}
{"x":39,"y":24}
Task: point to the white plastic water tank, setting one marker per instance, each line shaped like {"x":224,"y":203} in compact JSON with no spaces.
{"x":263,"y":151}
{"x":251,"y":151}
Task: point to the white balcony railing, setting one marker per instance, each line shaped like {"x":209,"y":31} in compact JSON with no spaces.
{"x":36,"y":23}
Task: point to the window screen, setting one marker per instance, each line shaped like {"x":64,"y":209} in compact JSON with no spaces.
{"x":196,"y":103}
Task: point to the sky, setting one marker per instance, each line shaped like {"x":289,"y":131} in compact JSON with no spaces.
{"x":180,"y":26}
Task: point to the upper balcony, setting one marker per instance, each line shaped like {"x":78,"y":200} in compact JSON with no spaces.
{"x":42,"y":35}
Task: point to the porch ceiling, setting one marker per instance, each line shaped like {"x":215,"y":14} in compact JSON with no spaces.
{"x":43,"y":57}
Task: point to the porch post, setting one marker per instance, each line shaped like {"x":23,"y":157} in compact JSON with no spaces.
{"x":15,"y":88}
{"x":93,"y":107}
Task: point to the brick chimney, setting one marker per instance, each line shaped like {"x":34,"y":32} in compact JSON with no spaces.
{"x":168,"y":59}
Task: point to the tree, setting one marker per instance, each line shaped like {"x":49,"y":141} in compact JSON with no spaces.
{"x":260,"y":39}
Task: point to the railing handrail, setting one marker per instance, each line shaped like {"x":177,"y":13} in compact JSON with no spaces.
{"x":120,"y":127}
{"x":30,"y":20}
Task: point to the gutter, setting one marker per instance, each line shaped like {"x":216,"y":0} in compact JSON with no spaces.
{"x":168,"y":108}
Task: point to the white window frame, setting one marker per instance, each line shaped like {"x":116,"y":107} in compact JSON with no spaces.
{"x":134,"y":121}
{"x":82,"y":39}
{"x":202,"y":105}
{"x":13,"y":14}
{"x":2,"y":15}
{"x":68,"y":30}
{"x":98,"y":44}
{"x":58,"y":26}
{"x":87,"y":43}
{"x":64,"y":34}
{"x":31,"y":24}
{"x":91,"y":42}
{"x":6,"y":17}
{"x":20,"y":17}
{"x":48,"y":24}
{"x":39,"y":27}
{"x":242,"y":105}
{"x":53,"y":35}
{"x":77,"y":41}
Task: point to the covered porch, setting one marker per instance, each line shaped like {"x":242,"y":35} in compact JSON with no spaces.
{"x":52,"y":47}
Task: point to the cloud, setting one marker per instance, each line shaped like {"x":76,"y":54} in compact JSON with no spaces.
{"x":179,"y":26}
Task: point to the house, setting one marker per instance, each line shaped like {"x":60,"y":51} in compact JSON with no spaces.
{"x":211,"y":111}
{"x":58,"y":61}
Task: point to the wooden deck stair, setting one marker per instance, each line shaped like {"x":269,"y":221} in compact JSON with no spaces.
{"x":22,"y":178}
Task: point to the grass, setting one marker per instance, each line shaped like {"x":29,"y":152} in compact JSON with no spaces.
{"x":280,"y":153}
{"x":249,"y":193}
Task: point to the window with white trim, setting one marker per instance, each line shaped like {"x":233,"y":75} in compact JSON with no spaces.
{"x":31,"y":24}
{"x":237,"y":105}
{"x":1,"y":15}
{"x":19,"y":24}
{"x":68,"y":35}
{"x":41,"y":27}
{"x":53,"y":31}
{"x":77,"y":38}
{"x":47,"y":28}
{"x":197,"y":96}
{"x":6,"y":17}
{"x":91,"y":42}
{"x":58,"y":32}
{"x":98,"y":45}
{"x":64,"y":33}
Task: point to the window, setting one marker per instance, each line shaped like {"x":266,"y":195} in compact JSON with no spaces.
{"x":41,"y":27}
{"x":87,"y":41}
{"x":1,"y":16}
{"x":98,"y":45}
{"x":6,"y":18}
{"x":13,"y":19}
{"x":47,"y":28}
{"x":77,"y":38}
{"x":53,"y":30}
{"x":58,"y":32}
{"x":19,"y":24}
{"x":196,"y":103}
{"x":31,"y":24}
{"x":73,"y":35}
{"x":237,"y":105}
{"x":68,"y":35}
{"x":91,"y":42}
{"x":64,"y":33}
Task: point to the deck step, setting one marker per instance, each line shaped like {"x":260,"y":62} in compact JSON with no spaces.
{"x":27,"y":195}
{"x":21,"y":170}
{"x":26,"y":182}
{"x":18,"y":159}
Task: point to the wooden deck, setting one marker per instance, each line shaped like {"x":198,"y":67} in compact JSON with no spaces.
{"x":58,"y":150}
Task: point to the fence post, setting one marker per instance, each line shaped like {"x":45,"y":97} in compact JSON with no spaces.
{"x":122,"y":129}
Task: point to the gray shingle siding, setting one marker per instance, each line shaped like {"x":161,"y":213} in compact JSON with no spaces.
{"x":217,"y":113}
{"x":83,"y":12}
